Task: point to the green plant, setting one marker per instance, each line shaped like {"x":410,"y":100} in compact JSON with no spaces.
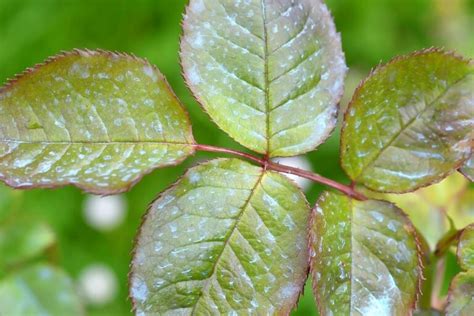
{"x":232,"y":237}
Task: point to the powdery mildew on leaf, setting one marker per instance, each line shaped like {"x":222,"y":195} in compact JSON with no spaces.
{"x":465,"y":251}
{"x":39,"y":290}
{"x":364,"y":257}
{"x":229,"y":238}
{"x":95,"y":119}
{"x":410,"y":122}
{"x":468,"y":169}
{"x":269,"y":73}
{"x":461,"y":295}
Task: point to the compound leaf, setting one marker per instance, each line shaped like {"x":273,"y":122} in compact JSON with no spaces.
{"x":39,"y":290}
{"x":410,"y":122}
{"x":269,"y":73}
{"x":364,"y":257}
{"x":95,"y":119}
{"x":461,"y":295}
{"x":228,"y":238}
{"x":466,"y":248}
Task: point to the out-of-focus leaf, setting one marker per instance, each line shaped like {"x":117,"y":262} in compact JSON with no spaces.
{"x":95,"y":119}
{"x":228,"y":238}
{"x":462,"y":211}
{"x":21,"y":240}
{"x":468,"y":168}
{"x":364,"y":257}
{"x":410,"y":122}
{"x":38,"y":290}
{"x":461,"y":295}
{"x":8,"y":198}
{"x":434,"y":204}
{"x":466,"y":248}
{"x":269,"y":73}
{"x":432,"y":312}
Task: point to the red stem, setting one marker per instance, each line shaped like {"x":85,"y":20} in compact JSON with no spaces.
{"x":286,"y":169}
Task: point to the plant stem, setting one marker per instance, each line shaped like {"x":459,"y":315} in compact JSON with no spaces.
{"x":447,"y":241}
{"x":285,"y":169}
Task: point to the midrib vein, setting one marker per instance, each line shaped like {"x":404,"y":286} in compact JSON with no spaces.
{"x":408,"y":124}
{"x":266,"y":75}
{"x":127,"y":142}
{"x":226,"y":243}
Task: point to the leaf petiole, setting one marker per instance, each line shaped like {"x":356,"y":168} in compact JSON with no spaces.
{"x":347,"y":190}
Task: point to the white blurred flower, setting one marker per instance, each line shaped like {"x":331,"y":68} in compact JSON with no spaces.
{"x":300,"y":162}
{"x":104,"y":213}
{"x":98,"y":284}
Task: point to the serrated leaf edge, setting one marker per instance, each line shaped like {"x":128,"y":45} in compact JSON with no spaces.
{"x":173,"y":185}
{"x":85,"y":52}
{"x":410,"y":229}
{"x":374,"y":71}
{"x":337,"y":98}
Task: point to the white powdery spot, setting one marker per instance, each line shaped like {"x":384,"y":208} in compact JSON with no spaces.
{"x":149,"y":71}
{"x":197,"y":6}
{"x":193,"y":76}
{"x":377,"y":216}
{"x":139,"y":290}
{"x":194,"y":177}
{"x":197,"y":41}
{"x":288,"y":222}
{"x":377,"y":306}
{"x":289,"y":291}
{"x":79,"y":70}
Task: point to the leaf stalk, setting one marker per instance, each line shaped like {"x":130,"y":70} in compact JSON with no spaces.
{"x":269,"y":165}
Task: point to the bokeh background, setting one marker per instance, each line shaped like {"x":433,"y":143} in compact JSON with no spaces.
{"x":94,"y":238}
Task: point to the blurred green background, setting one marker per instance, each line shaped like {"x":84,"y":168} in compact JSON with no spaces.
{"x":31,"y":30}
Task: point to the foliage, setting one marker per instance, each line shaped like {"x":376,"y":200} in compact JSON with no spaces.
{"x":232,"y":237}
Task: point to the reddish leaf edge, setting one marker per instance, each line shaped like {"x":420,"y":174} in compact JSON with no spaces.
{"x":85,"y":52}
{"x":461,"y":169}
{"x":374,"y":71}
{"x":458,"y":248}
{"x":336,"y":101}
{"x":173,"y":185}
{"x":409,"y":228}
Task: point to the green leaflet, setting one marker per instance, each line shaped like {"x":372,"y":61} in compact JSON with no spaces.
{"x":461,"y":291}
{"x":461,"y":295}
{"x":95,"y":119}
{"x":468,"y":169}
{"x":364,"y":257}
{"x":466,"y":248}
{"x":410,"y":123}
{"x":228,"y":238}
{"x":269,"y":73}
{"x":39,"y":290}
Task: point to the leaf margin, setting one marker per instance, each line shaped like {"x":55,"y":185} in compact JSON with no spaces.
{"x":172,"y":186}
{"x":408,"y":226}
{"x":336,"y":98}
{"x":374,"y":71}
{"x":85,"y":52}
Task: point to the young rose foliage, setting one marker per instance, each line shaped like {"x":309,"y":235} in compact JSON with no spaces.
{"x":232,"y":237}
{"x":461,"y":292}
